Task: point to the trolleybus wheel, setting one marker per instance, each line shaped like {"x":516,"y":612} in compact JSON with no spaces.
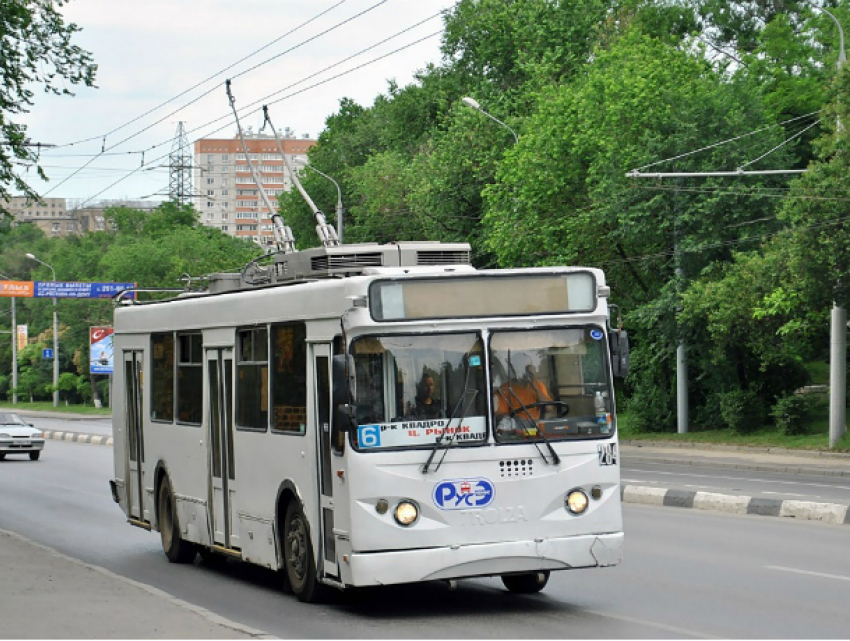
{"x":176,"y":549}
{"x":529,"y":583}
{"x":298,"y":555}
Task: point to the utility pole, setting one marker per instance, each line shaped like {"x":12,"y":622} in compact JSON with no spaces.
{"x":838,"y":320}
{"x":682,"y":408}
{"x":55,"y":334}
{"x":14,"y":349}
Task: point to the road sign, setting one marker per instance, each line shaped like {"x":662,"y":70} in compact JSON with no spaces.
{"x":47,"y":353}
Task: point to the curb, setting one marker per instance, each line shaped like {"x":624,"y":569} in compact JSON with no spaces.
{"x":833,"y":513}
{"x":77,"y":437}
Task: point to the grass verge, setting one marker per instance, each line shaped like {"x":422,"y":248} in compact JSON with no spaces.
{"x":47,"y":406}
{"x":815,"y":438}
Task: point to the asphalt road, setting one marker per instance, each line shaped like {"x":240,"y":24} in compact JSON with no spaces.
{"x":779,"y":485}
{"x":686,"y":573}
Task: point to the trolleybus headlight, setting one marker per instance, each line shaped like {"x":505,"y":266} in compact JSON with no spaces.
{"x":576,"y":502}
{"x":406,"y":513}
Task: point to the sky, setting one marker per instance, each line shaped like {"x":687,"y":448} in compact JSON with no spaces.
{"x":162,"y":62}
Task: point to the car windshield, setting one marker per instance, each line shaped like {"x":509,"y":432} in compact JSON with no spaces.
{"x":413,"y":390}
{"x":7,"y":418}
{"x":550,"y":384}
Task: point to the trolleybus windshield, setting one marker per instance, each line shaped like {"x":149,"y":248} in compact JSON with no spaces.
{"x":550,"y":381}
{"x":414,"y":390}
{"x":545,"y":384}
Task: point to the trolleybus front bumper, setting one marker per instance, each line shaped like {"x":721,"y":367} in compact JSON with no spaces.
{"x":460,"y":561}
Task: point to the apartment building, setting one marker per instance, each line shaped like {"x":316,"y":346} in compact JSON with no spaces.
{"x":227,"y":196}
{"x":51,"y":215}
{"x":63,"y":217}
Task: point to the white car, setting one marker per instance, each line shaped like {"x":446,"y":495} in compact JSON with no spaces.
{"x":19,"y":437}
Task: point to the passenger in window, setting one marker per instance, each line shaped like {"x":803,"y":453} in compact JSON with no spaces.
{"x":522,"y":390}
{"x":424,"y":405}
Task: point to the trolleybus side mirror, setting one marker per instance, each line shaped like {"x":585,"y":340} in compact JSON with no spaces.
{"x":343,"y":391}
{"x":619,"y":343}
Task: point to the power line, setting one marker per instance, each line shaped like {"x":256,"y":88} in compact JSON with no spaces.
{"x":217,"y":73}
{"x":210,"y":133}
{"x":211,"y":90}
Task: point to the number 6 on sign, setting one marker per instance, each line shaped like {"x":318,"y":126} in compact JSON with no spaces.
{"x":369,"y":435}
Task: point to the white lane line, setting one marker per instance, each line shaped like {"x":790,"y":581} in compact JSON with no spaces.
{"x":809,"y":573}
{"x":816,"y":496}
{"x":744,"y":478}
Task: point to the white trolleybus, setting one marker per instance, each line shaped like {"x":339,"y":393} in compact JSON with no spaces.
{"x":375,"y":414}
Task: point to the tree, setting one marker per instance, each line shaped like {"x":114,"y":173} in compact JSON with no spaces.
{"x":37,"y":50}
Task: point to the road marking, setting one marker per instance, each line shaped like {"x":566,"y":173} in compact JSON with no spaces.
{"x":680,"y":632}
{"x":790,"y":494}
{"x":808,"y":572}
{"x":744,"y":478}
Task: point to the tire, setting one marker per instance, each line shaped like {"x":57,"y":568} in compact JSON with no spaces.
{"x":34,"y":456}
{"x":2,"y":455}
{"x":299,"y":564}
{"x":529,"y":583}
{"x":176,"y":549}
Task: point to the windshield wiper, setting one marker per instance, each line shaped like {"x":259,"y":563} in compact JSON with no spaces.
{"x":450,"y":438}
{"x":521,"y":420}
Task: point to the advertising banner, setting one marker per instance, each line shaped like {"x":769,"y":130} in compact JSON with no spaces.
{"x":16,"y":288}
{"x":22,"y":337}
{"x":100,"y":352}
{"x":58,"y":289}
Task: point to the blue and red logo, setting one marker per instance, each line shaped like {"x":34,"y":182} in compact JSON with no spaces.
{"x":464,"y":494}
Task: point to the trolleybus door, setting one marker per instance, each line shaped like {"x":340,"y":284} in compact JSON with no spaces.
{"x":222,"y":472}
{"x":322,"y":387}
{"x":135,"y":442}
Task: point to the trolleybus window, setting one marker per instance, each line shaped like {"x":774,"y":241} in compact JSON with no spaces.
{"x":551,"y":381}
{"x":289,"y":378}
{"x":162,"y":377}
{"x":252,"y":378}
{"x":190,"y":376}
{"x":412,"y":390}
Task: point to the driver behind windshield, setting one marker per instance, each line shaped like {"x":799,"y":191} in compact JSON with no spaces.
{"x":521,"y":390}
{"x":425,"y":405}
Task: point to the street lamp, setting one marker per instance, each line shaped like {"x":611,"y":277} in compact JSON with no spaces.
{"x":55,"y":336}
{"x":14,"y":349}
{"x":472,"y":102}
{"x":339,"y":208}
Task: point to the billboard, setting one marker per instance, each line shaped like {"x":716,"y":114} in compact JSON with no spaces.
{"x":100,"y":350}
{"x":59,"y":289}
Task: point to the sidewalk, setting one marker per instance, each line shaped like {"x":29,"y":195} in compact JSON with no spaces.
{"x":68,"y":599}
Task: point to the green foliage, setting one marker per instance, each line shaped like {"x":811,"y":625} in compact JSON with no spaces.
{"x":791,"y":413}
{"x":37,"y":51}
{"x":152,"y":250}
{"x":741,"y":410}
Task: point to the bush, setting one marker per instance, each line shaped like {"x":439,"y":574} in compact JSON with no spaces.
{"x":791,"y":413}
{"x":741,"y":410}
